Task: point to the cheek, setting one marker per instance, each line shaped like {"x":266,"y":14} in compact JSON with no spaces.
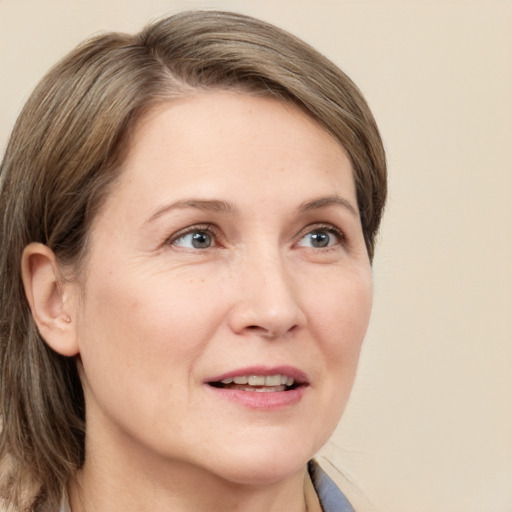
{"x":340,"y":318}
{"x":145,"y":321}
{"x":139,"y":340}
{"x":343,"y":311}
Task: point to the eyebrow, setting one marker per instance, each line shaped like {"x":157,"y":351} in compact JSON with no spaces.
{"x":207,"y":205}
{"x":219,"y":206}
{"x":323,"y":202}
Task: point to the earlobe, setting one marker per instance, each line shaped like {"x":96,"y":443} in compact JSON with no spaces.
{"x":49,"y":299}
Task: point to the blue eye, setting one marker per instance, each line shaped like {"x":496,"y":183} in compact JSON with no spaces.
{"x":197,"y":239}
{"x":320,"y":238}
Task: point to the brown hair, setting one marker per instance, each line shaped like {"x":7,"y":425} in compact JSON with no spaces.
{"x":61,"y":160}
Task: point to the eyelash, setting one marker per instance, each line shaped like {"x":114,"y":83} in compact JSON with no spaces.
{"x":213,"y":233}
{"x":328,"y":228}
{"x":199,"y":228}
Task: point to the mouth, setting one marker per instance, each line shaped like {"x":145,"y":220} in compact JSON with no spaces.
{"x":258,"y":383}
{"x":261,"y":387}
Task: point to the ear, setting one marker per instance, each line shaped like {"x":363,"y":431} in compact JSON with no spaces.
{"x":51,"y":299}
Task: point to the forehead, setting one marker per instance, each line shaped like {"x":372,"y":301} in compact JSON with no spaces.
{"x":230,"y":146}
{"x":219,"y":123}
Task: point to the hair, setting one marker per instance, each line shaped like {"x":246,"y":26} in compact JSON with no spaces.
{"x":62,"y":159}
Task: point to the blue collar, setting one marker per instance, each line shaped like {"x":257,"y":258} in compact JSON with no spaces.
{"x":331,"y":498}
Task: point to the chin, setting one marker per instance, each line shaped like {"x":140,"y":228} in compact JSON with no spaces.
{"x":264,"y":454}
{"x":264,"y":463}
{"x":266,"y":473}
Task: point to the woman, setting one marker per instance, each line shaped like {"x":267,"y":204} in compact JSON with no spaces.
{"x":188,"y":219}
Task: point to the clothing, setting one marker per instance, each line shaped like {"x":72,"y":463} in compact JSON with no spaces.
{"x":330,"y":497}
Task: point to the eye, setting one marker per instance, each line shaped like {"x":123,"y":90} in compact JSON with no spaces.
{"x":195,"y":239}
{"x":321,"y":237}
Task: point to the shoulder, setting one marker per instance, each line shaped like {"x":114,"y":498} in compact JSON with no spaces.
{"x":331,"y":498}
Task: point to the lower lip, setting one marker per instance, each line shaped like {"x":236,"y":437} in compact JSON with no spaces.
{"x":265,"y":400}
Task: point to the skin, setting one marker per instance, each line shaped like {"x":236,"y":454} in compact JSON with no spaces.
{"x":154,"y":318}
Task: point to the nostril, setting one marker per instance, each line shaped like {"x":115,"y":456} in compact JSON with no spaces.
{"x":263,"y":332}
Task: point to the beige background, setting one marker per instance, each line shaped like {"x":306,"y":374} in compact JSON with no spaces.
{"x":429,"y":426}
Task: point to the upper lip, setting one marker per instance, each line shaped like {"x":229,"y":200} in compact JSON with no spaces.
{"x":290,"y":371}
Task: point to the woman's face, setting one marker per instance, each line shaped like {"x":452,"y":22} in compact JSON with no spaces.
{"x":230,"y":250}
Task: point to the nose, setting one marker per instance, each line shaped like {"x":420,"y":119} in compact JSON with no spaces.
{"x":266,"y":300}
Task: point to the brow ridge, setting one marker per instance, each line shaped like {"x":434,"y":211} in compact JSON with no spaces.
{"x":208,"y":205}
{"x":220,"y":206}
{"x":323,"y":202}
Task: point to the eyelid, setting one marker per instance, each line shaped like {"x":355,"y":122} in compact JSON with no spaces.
{"x":208,"y":228}
{"x":331,"y":228}
{"x":214,"y":233}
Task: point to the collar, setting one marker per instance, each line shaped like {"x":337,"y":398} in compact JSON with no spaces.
{"x":331,"y":498}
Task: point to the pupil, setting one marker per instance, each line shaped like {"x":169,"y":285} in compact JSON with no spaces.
{"x":201,"y":240}
{"x":319,"y":239}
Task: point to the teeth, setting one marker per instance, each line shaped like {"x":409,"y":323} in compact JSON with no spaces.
{"x":261,"y":380}
{"x":265,"y":389}
{"x":256,"y":380}
{"x":273,"y":380}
